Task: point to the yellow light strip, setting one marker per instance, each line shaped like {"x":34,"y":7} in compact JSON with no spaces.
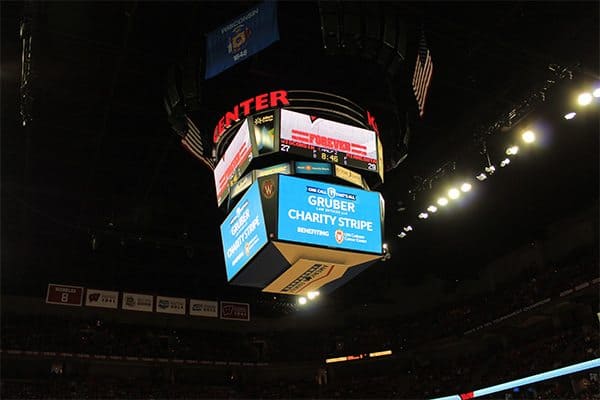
{"x":380,"y":353}
{"x":334,"y":360}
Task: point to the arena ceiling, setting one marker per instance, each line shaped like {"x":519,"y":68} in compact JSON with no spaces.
{"x":99,"y":158}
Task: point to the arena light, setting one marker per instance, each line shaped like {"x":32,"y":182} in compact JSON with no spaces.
{"x":570,"y":115}
{"x":584,"y":99}
{"x":465,"y":187}
{"x":423,"y":215}
{"x":454,"y":193}
{"x":312,"y":295}
{"x":481,"y":177}
{"x":432,"y":208}
{"x":335,"y":359}
{"x":596,"y":92}
{"x":442,"y":201}
{"x":302,"y":300}
{"x":528,"y":136}
{"x":490,"y":169}
{"x":512,"y":150}
{"x":380,"y":353}
{"x":402,"y":235}
{"x":408,"y":228}
{"x":505,"y":162}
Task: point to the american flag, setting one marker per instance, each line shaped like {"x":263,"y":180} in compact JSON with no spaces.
{"x":422,"y":76}
{"x":194,"y":143}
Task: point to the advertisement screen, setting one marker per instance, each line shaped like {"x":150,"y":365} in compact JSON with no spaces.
{"x":313,"y":168}
{"x":329,"y":141}
{"x":329,"y":215}
{"x":264,"y":129}
{"x":243,"y":232}
{"x":234,"y":162}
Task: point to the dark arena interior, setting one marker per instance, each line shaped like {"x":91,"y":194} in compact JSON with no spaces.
{"x":314,"y":199}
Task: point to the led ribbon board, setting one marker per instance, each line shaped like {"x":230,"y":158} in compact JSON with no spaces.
{"x":329,"y":141}
{"x":243,"y":232}
{"x":324,"y":214}
{"x":234,"y":162}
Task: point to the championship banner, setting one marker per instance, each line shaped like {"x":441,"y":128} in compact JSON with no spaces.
{"x":137,"y":302}
{"x":101,"y":298}
{"x":241,"y":38}
{"x":64,"y":295}
{"x":170,"y":305}
{"x":235,"y":311}
{"x":204,"y":308}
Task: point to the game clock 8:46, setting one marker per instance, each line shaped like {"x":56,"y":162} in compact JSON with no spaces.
{"x":330,"y":157}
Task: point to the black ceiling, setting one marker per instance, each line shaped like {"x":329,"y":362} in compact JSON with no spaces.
{"x":100,"y":159}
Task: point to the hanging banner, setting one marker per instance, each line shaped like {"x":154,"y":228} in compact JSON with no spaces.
{"x":64,"y":295}
{"x":170,"y":305}
{"x":101,"y":298}
{"x":241,"y":38}
{"x":137,"y":302}
{"x":235,"y":311}
{"x":204,"y":308}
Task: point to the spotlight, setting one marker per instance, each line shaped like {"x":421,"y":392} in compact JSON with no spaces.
{"x":312,"y":295}
{"x":481,"y":177}
{"x":528,"y":137}
{"x":432,"y":208}
{"x":402,"y":235}
{"x":454,"y":193}
{"x":442,"y":201}
{"x":570,"y":115}
{"x":505,"y":162}
{"x":584,"y":99}
{"x":408,"y":228}
{"x":423,"y":215}
{"x":512,"y":150}
{"x":596,"y":92}
{"x":490,"y":170}
{"x":465,"y":187}
{"x":302,"y":300}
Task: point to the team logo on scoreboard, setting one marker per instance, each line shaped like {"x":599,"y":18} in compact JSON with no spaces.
{"x":268,"y":188}
{"x":339,"y":236}
{"x":238,"y":39}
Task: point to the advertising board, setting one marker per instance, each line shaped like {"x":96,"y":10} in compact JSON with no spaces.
{"x":101,"y":298}
{"x":137,"y":302}
{"x":324,"y":214}
{"x":243,"y":232}
{"x":235,"y":311}
{"x":64,"y":295}
{"x":328,"y":141}
{"x":204,"y":308}
{"x":170,"y":305}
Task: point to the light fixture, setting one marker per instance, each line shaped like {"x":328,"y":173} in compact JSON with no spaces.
{"x":490,"y":169}
{"x":584,"y":99}
{"x":528,"y":136}
{"x":402,"y":235}
{"x":505,"y":162}
{"x":512,"y":150}
{"x":432,"y":208}
{"x":454,"y":193}
{"x":442,"y":201}
{"x":596,"y":92}
{"x":570,"y":115}
{"x":481,"y":177}
{"x":465,"y":187}
{"x":302,"y":300}
{"x":408,"y":228}
{"x":312,"y":295}
{"x":423,"y":215}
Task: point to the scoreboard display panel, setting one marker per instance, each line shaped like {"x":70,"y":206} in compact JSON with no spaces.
{"x":328,"y":141}
{"x":324,"y":214}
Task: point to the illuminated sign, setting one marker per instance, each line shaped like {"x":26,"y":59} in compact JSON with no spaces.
{"x":313,"y":168}
{"x":327,"y":140}
{"x":246,"y":107}
{"x":329,"y":215}
{"x":233,"y":163}
{"x":243,"y":232}
{"x":349,"y":176}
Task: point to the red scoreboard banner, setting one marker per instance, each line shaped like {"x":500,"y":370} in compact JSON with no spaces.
{"x":64,"y":294}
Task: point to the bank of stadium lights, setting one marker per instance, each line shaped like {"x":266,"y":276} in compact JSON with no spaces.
{"x":528,"y":136}
{"x":584,"y":99}
{"x":312,"y":295}
{"x":454,"y":193}
{"x":596,"y":92}
{"x":423,"y":215}
{"x":512,"y":150}
{"x":402,"y":235}
{"x":570,"y":115}
{"x":408,"y":228}
{"x":481,"y":177}
{"x":302,"y":300}
{"x":505,"y":162}
{"x":442,"y":201}
{"x":432,"y":208}
{"x":465,"y":187}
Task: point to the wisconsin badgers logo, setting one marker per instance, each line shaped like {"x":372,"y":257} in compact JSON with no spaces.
{"x":268,"y":188}
{"x":339,"y":236}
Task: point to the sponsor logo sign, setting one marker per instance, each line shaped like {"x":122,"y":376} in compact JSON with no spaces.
{"x":327,"y":140}
{"x":234,"y":162}
{"x":243,"y":232}
{"x":204,"y":308}
{"x":349,"y":176}
{"x":329,"y":215}
{"x":137,"y":302}
{"x":313,"y":168}
{"x":235,"y":311}
{"x":101,"y":298}
{"x":64,"y":294}
{"x":170,"y":305}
